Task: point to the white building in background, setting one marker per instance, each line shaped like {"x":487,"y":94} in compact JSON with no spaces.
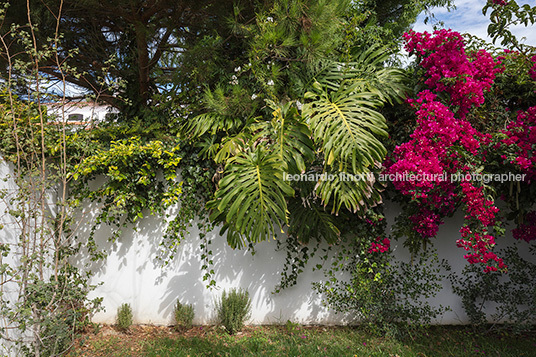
{"x":80,"y":113}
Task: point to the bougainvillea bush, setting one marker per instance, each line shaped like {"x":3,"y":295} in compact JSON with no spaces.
{"x":452,"y":161}
{"x":464,"y":141}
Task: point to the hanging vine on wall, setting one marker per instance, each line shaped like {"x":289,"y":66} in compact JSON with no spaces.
{"x":513,"y":294}
{"x":385,"y":294}
{"x":296,"y":260}
{"x":134,"y":178}
{"x":139,"y":178}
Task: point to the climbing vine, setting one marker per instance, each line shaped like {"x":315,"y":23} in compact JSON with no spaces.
{"x":44,"y":293}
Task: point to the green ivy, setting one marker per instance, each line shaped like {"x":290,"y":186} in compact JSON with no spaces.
{"x":383,"y":293}
{"x":513,"y":294}
{"x":139,"y":179}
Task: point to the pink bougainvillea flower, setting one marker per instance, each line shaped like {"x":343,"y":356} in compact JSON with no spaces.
{"x":440,"y":135}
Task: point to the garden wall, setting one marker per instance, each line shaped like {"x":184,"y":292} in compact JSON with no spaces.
{"x":133,"y":275}
{"x":8,"y":234}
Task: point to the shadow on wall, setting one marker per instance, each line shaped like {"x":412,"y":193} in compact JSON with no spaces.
{"x":133,"y":274}
{"x":9,"y":235}
{"x":258,"y":273}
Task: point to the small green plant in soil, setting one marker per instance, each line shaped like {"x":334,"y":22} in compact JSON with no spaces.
{"x":233,"y":309}
{"x":184,"y":316}
{"x":124,"y":317}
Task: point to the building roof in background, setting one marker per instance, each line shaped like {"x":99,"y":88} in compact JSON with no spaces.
{"x":79,"y":113}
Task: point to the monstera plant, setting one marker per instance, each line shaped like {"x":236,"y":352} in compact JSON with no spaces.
{"x":291,"y":167}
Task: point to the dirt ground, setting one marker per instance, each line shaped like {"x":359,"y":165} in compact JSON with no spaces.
{"x":100,"y":341}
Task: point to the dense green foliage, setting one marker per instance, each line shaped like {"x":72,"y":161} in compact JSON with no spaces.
{"x":249,"y":68}
{"x":138,"y":179}
{"x":514,"y":295}
{"x":321,"y":117}
{"x":134,"y":54}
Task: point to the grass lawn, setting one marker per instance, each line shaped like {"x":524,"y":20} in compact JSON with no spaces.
{"x":300,"y":341}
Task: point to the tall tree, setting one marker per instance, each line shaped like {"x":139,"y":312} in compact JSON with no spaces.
{"x":121,"y":50}
{"x":126,"y":52}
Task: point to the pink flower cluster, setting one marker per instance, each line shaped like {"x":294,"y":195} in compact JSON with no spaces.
{"x":499,"y":2}
{"x":426,"y":222}
{"x":527,"y":230}
{"x":521,"y":142}
{"x":532,"y":70}
{"x":480,"y":244}
{"x":449,"y":69}
{"x":439,"y":137}
{"x":477,"y":206}
{"x":380,"y":246}
{"x":430,"y":152}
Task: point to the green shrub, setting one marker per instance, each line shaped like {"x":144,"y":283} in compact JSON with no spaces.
{"x":292,"y":327}
{"x":124,"y":317}
{"x":234,"y":309}
{"x":389,"y":297}
{"x":512,"y":294}
{"x":184,"y":316}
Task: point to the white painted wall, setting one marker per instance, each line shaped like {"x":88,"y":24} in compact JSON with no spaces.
{"x":132,"y":274}
{"x":8,"y":235}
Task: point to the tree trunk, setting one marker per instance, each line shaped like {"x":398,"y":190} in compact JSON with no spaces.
{"x":143,"y":62}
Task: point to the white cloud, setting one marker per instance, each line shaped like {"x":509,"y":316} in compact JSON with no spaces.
{"x":468,"y":18}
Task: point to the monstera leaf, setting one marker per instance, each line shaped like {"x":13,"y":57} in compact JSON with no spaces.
{"x":291,"y":137}
{"x":346,"y":125}
{"x":251,"y":196}
{"x":353,"y":192}
{"x":309,"y":221}
{"x":369,"y":73}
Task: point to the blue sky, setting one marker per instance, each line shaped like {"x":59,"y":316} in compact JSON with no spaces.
{"x":468,"y":18}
